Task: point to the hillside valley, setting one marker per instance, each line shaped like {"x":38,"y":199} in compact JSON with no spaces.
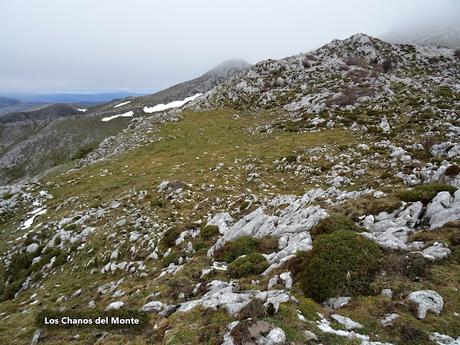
{"x":308,"y":200}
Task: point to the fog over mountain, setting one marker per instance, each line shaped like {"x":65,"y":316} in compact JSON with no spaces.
{"x":55,"y":46}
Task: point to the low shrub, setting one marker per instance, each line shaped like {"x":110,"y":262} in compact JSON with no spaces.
{"x":171,"y":258}
{"x":413,"y":266}
{"x":170,"y":237}
{"x":334,"y":222}
{"x":355,"y":208}
{"x":209,"y":231}
{"x":245,"y":245}
{"x":452,"y":170}
{"x":267,"y":244}
{"x":157,"y":203}
{"x":254,"y":263}
{"x":290,"y":158}
{"x":425,"y":192}
{"x":253,"y":310}
{"x":340,"y":263}
{"x":240,"y":333}
{"x":411,"y":335}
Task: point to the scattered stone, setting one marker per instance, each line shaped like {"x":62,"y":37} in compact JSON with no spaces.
{"x":36,"y":337}
{"x":442,"y":339}
{"x":387,"y":293}
{"x":287,"y":279}
{"x":310,"y":336}
{"x":346,"y":322}
{"x":435,"y":252}
{"x":114,"y":305}
{"x":154,"y":306}
{"x":426,"y":300}
{"x":389,"y":320}
{"x":276,"y":337}
{"x":337,"y":302}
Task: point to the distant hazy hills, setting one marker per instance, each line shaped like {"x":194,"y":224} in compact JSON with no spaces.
{"x":7,"y":101}
{"x":51,"y":112}
{"x":48,"y":135}
{"x":68,"y":97}
{"x":441,"y":33}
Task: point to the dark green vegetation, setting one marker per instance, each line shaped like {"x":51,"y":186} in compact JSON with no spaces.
{"x":246,"y":245}
{"x":254,"y":263}
{"x":342,"y":263}
{"x":21,"y":267}
{"x":209,"y":231}
{"x":425,"y":192}
{"x":335,"y":222}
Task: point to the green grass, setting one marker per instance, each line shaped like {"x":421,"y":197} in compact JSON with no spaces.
{"x":212,"y":137}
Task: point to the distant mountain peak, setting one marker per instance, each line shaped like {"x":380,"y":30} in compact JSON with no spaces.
{"x":229,"y":67}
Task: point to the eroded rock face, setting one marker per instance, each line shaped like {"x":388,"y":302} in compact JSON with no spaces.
{"x":228,"y":296}
{"x":443,"y":209}
{"x":291,"y":225}
{"x":426,"y":300}
{"x":392,"y":230}
{"x":222,"y":220}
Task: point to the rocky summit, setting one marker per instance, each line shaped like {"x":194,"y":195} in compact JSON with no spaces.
{"x":308,"y":200}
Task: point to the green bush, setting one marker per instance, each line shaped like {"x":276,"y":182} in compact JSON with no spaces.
{"x":334,"y":222}
{"x":209,"y":231}
{"x":157,"y":203}
{"x":254,"y":263}
{"x":245,"y":245}
{"x":172,"y":257}
{"x":169,"y":237}
{"x":425,"y":192}
{"x":340,"y":263}
{"x":11,"y":289}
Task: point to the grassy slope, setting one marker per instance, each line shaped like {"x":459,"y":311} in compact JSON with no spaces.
{"x":188,"y":151}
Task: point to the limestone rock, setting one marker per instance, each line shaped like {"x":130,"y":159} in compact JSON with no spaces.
{"x":114,"y":305}
{"x":436,"y":252}
{"x":154,"y":306}
{"x":426,"y":300}
{"x":346,"y":322}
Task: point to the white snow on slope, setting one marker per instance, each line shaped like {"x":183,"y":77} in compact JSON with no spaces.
{"x":37,"y":212}
{"x":108,"y":118}
{"x":171,"y":105}
{"x":121,"y":104}
{"x":82,"y":110}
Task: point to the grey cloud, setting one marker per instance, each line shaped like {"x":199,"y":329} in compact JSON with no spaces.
{"x":55,"y":45}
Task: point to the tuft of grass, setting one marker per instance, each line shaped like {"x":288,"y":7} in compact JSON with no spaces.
{"x":245,"y":245}
{"x":254,"y":263}
{"x":335,"y":222}
{"x":209,"y":231}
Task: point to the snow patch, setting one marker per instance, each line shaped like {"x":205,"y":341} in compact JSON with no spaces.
{"x":171,"y":105}
{"x":37,"y":212}
{"x":108,"y":118}
{"x":121,"y":104}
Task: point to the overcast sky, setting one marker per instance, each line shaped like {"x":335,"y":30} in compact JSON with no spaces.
{"x":70,"y":45}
